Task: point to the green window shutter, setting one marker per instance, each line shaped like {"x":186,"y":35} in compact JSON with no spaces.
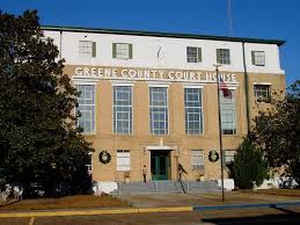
{"x":253,"y":57}
{"x":130,"y":51}
{"x":94,"y":49}
{"x":114,"y":50}
{"x":199,"y":51}
{"x":229,"y":61}
{"x":218,"y":56}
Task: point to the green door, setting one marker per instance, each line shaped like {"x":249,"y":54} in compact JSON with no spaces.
{"x":160,"y":165}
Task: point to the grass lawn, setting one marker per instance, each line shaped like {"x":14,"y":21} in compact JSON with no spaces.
{"x":69,"y":202}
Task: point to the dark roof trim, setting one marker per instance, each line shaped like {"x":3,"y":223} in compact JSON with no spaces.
{"x":160,"y":34}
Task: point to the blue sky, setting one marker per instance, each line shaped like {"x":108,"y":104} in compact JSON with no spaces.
{"x":269,"y":19}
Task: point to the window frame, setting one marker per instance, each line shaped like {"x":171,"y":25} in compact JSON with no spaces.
{"x":123,"y":154}
{"x":223,"y":106}
{"x":223,"y":56}
{"x":130,"y":112}
{"x":90,"y":165}
{"x":116,"y":54}
{"x":259,"y":98}
{"x":162,"y":109}
{"x":87,"y":54}
{"x":200,"y":107}
{"x":197,"y":58}
{"x":254,"y":58}
{"x":93,"y":118}
{"x":200,"y":155}
{"x":231,"y":155}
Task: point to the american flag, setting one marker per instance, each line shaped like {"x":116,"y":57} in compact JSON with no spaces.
{"x":224,"y":88}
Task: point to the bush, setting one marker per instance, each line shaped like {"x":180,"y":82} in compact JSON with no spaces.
{"x":249,"y":167}
{"x":294,"y":171}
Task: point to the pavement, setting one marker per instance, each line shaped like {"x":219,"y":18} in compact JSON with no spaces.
{"x":172,"y":203}
{"x":203,"y":199}
{"x":172,"y":208}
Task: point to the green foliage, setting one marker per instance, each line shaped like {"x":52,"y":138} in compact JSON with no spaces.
{"x":277,"y":130}
{"x":39,"y":144}
{"x":249,"y":165}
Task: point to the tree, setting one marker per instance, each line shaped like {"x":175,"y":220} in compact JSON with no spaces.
{"x":40,"y":145}
{"x":249,"y":166}
{"x":277,"y":130}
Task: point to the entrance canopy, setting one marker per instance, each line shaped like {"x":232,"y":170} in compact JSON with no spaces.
{"x":161,"y":148}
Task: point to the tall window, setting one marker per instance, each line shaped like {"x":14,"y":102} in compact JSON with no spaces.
{"x":193,"y":54}
{"x":223,"y":56}
{"x":122,"y":50}
{"x":122,"y":110}
{"x":258,"y":58}
{"x":87,"y":108}
{"x":228,"y":113}
{"x":87,"y":49}
{"x":193,"y":110}
{"x":197,"y":159}
{"x":159,"y":110}
{"x":262,"y":92}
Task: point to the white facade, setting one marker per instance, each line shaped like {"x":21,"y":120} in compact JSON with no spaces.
{"x":163,"y":52}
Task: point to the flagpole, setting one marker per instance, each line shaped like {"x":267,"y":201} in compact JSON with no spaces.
{"x":220,"y":132}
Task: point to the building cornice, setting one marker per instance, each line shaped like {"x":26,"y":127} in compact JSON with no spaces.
{"x":160,"y":34}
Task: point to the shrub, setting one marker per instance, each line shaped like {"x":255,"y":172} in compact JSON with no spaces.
{"x":249,"y":167}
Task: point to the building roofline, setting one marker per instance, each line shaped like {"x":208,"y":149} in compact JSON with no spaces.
{"x":160,"y":34}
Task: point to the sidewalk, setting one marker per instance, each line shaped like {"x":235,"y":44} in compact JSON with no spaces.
{"x":202,"y":199}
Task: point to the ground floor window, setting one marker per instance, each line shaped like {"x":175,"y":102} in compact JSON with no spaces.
{"x":89,"y":164}
{"x":262,"y":93}
{"x":123,"y":160}
{"x":198,"y":159}
{"x":229,"y":156}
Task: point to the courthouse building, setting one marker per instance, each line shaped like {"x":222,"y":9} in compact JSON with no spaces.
{"x":149,"y":100}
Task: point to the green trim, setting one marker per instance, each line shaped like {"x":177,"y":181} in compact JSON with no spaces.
{"x":130,"y":51}
{"x":94,"y":50}
{"x":114,"y":50}
{"x":160,"y":34}
{"x":199,"y":52}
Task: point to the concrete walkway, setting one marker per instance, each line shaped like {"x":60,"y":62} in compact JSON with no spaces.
{"x":201,"y":199}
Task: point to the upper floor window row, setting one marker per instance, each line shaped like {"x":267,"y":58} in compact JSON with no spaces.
{"x":87,"y":49}
{"x":122,"y":50}
{"x":223,"y":56}
{"x":258,"y":58}
{"x":194,"y":54}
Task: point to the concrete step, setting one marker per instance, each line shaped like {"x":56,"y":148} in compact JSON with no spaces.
{"x":204,"y":186}
{"x":167,"y":186}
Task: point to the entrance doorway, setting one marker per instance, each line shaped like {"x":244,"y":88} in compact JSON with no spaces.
{"x":160,"y":165}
